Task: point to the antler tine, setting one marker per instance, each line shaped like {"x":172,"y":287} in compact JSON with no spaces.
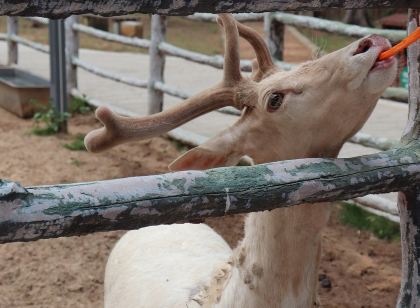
{"x":118,"y":129}
{"x":265,"y":62}
{"x":232,"y":72}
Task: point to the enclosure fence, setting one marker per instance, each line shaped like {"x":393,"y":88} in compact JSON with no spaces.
{"x":158,"y":49}
{"x":30,"y":213}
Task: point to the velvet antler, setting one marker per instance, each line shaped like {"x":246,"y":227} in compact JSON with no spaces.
{"x":263,"y":64}
{"x":118,"y":129}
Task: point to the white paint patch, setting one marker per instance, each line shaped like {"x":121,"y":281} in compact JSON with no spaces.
{"x":283,"y":172}
{"x":140,"y":211}
{"x":227,"y":200}
{"x":309,"y":189}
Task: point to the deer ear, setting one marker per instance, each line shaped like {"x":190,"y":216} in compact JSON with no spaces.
{"x":199,"y":159}
{"x":221,"y":151}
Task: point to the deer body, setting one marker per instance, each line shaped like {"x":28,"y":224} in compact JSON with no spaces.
{"x":308,"y":112}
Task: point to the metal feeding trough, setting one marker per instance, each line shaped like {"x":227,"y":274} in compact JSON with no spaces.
{"x":21,"y":92}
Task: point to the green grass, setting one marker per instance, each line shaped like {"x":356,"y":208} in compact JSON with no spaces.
{"x":79,"y":106}
{"x":76,"y":162}
{"x":77,"y":144}
{"x":381,"y":227}
{"x":47,"y":120}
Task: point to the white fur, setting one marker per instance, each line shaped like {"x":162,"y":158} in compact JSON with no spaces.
{"x":137,"y":260}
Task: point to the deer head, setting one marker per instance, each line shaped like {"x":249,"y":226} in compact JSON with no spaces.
{"x":307,"y":112}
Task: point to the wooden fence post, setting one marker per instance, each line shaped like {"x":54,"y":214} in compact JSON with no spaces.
{"x":275,"y":36}
{"x":12,"y":47}
{"x":72,"y":51}
{"x":157,"y":63}
{"x":409,"y":200}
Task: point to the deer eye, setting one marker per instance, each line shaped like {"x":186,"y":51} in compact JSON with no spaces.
{"x":274,"y":102}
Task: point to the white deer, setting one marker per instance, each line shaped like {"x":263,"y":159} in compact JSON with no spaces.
{"x":307,"y":112}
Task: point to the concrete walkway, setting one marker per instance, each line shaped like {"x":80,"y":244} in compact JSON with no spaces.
{"x":387,"y":120}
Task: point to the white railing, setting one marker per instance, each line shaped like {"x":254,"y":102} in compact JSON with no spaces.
{"x":374,"y":203}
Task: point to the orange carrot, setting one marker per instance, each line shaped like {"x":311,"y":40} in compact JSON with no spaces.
{"x":414,"y":36}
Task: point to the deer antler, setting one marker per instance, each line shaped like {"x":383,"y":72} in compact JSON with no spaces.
{"x":118,"y":129}
{"x":264,"y":64}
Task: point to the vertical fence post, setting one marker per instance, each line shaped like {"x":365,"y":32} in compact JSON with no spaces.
{"x":12,"y":47}
{"x":409,"y":200}
{"x":275,"y":36}
{"x":157,"y":63}
{"x":58,"y":91}
{"x":72,"y":51}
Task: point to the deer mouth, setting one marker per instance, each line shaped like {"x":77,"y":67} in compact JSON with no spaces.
{"x":383,"y":64}
{"x":375,"y":44}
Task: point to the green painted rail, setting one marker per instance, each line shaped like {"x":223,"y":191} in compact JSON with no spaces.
{"x":33,"y":213}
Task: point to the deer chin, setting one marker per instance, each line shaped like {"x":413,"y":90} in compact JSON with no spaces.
{"x":381,"y":75}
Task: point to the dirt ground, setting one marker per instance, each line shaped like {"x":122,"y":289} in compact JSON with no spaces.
{"x":68,"y":272}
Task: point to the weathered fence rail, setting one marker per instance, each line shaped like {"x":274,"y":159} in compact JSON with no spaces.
{"x":64,"y":210}
{"x":34,"y":45}
{"x":336,"y":27}
{"x":112,"y":37}
{"x":134,"y":82}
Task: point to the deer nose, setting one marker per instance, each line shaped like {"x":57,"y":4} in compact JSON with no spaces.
{"x":373,"y":40}
{"x":364,"y":46}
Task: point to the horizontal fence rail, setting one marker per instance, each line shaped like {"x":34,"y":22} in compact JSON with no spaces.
{"x":134,"y":82}
{"x":336,"y":26}
{"x":28,"y":43}
{"x":379,"y":203}
{"x":239,"y":17}
{"x":39,"y":20}
{"x":379,"y":143}
{"x":112,"y":37}
{"x":60,"y":9}
{"x":64,"y":210}
{"x":372,"y":205}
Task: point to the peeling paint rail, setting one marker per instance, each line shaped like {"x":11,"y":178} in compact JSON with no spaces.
{"x":33,"y":213}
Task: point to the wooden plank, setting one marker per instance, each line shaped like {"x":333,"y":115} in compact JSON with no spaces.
{"x":64,"y":210}
{"x":72,"y":51}
{"x":64,"y":8}
{"x":12,"y":46}
{"x":157,"y":64}
{"x":409,"y":199}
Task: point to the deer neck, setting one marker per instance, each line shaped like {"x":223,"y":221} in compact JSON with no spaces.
{"x":276,"y":263}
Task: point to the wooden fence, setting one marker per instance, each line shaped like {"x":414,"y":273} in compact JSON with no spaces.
{"x":50,"y":211}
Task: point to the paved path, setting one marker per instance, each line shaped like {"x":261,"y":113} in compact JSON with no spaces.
{"x":388,"y":119}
